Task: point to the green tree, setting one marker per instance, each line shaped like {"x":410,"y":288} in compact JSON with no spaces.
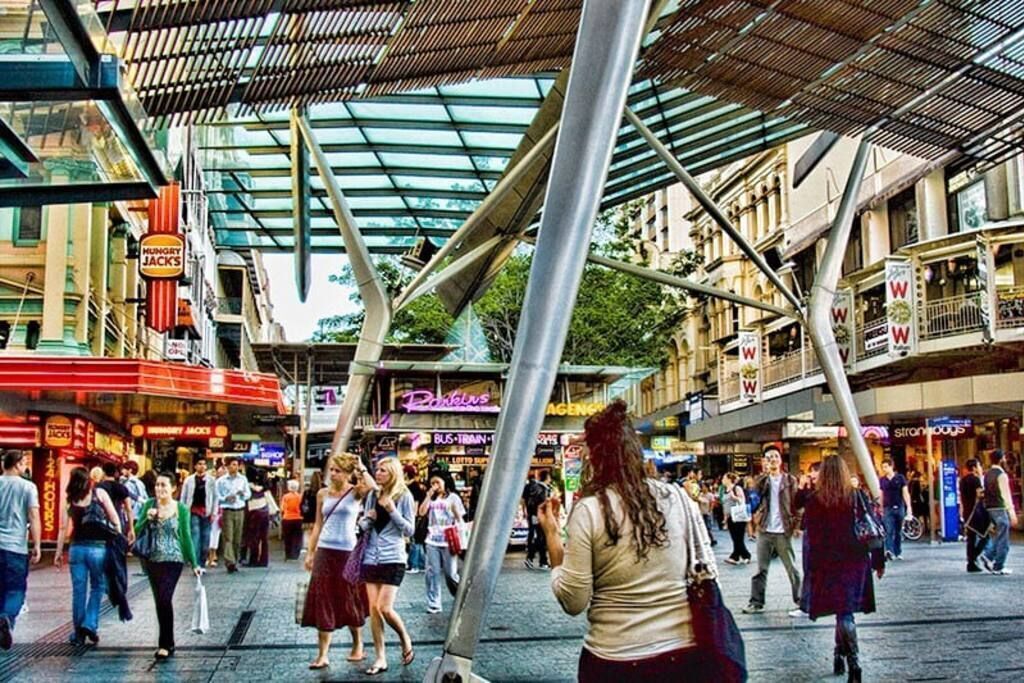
{"x":619,"y":319}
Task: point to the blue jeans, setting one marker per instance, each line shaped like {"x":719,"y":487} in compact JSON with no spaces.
{"x":440,"y":563}
{"x":416,"y":556}
{"x":14,"y":578}
{"x":893,"y":520}
{"x":200,"y":529}
{"x":88,"y":584}
{"x":998,"y":545}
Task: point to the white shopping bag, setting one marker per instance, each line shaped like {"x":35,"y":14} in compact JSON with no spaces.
{"x":200,"y":613}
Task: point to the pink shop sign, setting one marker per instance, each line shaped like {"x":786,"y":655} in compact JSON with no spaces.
{"x":426,"y":401}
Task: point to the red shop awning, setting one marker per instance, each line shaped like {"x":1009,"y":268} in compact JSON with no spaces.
{"x":143,"y":377}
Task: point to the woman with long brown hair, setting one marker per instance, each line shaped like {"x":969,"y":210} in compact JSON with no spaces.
{"x":838,"y":567}
{"x":627,"y":560}
{"x":331,"y":601}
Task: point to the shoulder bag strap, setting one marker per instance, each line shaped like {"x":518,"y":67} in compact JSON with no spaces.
{"x":335,"y":506}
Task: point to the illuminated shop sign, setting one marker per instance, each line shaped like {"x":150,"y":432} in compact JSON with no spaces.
{"x":463,"y":438}
{"x":947,"y":428}
{"x":574,"y":409}
{"x":162,"y":256}
{"x":159,"y":431}
{"x":58,"y":432}
{"x":426,"y":401}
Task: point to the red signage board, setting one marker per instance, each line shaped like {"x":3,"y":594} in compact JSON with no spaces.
{"x":46,"y":473}
{"x":162,"y":258}
{"x":165,"y":431}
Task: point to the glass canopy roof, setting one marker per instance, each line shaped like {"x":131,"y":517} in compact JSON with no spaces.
{"x":417,"y":164}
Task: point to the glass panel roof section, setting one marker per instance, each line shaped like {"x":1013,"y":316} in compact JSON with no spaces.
{"x":417,"y":164}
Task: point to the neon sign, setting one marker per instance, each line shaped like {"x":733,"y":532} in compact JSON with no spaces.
{"x":426,"y":401}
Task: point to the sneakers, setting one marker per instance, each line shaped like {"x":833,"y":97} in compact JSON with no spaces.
{"x":997,"y":572}
{"x":433,"y":610}
{"x":413,"y":570}
{"x":753,"y":609}
{"x":797,"y":613}
{"x":729,"y":560}
{"x":6,"y":640}
{"x":746,"y":560}
{"x":889,"y":556}
{"x":986,"y":564}
{"x":899,"y":558}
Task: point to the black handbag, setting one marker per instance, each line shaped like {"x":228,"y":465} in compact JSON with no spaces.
{"x":145,"y":542}
{"x":867,"y":522}
{"x":723,"y":655}
{"x":95,"y":519}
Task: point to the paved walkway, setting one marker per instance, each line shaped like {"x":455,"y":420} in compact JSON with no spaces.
{"x":934,"y":622}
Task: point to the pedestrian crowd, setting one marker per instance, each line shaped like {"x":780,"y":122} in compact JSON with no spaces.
{"x":637,"y":546}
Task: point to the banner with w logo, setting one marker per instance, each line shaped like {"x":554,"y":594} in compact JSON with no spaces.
{"x":899,"y":306}
{"x":750,"y":366}
{"x":842,"y":325}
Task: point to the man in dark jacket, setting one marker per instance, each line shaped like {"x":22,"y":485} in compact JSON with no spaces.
{"x":970,"y":487}
{"x":535,"y":493}
{"x":774,"y":523}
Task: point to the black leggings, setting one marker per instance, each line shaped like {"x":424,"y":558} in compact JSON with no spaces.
{"x":163,"y":579}
{"x":739,"y":544}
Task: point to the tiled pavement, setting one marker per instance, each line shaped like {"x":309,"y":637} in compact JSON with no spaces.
{"x":934,"y":622}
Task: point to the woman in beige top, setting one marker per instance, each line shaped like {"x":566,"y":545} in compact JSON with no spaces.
{"x":626,"y":562}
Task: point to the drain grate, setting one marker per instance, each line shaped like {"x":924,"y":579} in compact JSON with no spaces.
{"x":241,"y":628}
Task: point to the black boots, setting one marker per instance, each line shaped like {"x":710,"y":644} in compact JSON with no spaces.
{"x":838,"y":664}
{"x":854,"y":672}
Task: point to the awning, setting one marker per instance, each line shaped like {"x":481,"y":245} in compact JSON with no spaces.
{"x":141,"y":377}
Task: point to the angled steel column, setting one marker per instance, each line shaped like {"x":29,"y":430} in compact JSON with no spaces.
{"x":602,"y":67}
{"x":454,"y":268}
{"x":507,"y":182}
{"x":682,"y":283}
{"x":819,"y":316}
{"x":377,"y":322}
{"x":303,"y":232}
{"x":710,"y":207}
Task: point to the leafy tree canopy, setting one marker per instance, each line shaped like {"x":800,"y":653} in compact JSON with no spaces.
{"x":619,"y":319}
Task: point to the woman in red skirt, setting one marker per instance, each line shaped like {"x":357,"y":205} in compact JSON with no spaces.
{"x":332,"y":602}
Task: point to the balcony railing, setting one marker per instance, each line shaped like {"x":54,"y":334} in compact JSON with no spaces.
{"x":952,"y":316}
{"x":230,"y":305}
{"x":872,"y":339}
{"x":783,"y":369}
{"x":730,"y":389}
{"x":1011,"y":308}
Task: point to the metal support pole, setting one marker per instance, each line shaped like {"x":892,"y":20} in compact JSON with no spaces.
{"x":464,"y":261}
{"x":710,"y":207}
{"x":819,"y":317}
{"x":682,"y":283}
{"x":302,"y":230}
{"x":377,"y":322}
{"x":475,"y":220}
{"x":304,"y":434}
{"x":606,"y":49}
{"x":932,"y":483}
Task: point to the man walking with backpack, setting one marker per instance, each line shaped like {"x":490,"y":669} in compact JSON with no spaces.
{"x":534,"y":495}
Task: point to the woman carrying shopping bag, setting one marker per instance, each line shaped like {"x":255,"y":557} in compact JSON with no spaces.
{"x":443,"y":509}
{"x":168,"y":549}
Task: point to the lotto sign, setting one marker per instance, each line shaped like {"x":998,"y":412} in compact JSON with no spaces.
{"x":899,"y":306}
{"x":162,"y":256}
{"x":750,"y":366}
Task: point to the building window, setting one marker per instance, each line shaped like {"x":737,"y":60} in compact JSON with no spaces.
{"x":854,"y":258}
{"x":806,"y":268}
{"x":903,"y":219}
{"x":32,"y":335}
{"x":971,"y":207}
{"x":28,"y":225}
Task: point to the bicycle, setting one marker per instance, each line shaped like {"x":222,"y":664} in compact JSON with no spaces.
{"x":912,"y":529}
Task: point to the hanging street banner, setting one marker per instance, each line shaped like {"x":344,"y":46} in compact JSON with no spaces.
{"x":842,"y":325}
{"x":987,"y":303}
{"x":899,"y":306}
{"x":750,"y":366}
{"x":162,"y":258}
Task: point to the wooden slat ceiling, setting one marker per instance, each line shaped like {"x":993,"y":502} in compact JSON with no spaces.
{"x":842,"y":65}
{"x":915,"y":68}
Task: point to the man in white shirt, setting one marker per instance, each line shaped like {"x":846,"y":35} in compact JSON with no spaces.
{"x":774,"y":522}
{"x":232,"y":493}
{"x":199,"y":496}
{"x":19,"y":514}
